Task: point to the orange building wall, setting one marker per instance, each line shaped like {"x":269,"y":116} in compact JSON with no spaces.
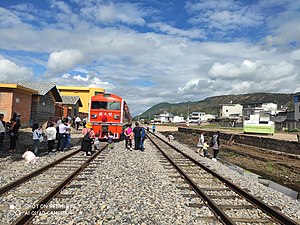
{"x":23,"y":106}
{"x":16,"y":101}
{"x":6,"y":104}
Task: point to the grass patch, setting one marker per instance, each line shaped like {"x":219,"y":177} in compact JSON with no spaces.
{"x":270,"y":167}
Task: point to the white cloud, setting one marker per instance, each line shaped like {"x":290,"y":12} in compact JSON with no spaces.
{"x":191,"y":33}
{"x":115,"y":13}
{"x":90,"y":80}
{"x":64,"y":60}
{"x":296,"y":54}
{"x":80,"y":78}
{"x":66,"y":75}
{"x":163,"y":66}
{"x":230,"y":70}
{"x":8,"y":19}
{"x":10,"y":71}
{"x":223,"y":15}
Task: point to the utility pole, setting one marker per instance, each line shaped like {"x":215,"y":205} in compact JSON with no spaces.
{"x":290,"y":112}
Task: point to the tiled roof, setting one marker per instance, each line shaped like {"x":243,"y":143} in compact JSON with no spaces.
{"x":42,"y":88}
{"x":71,"y":100}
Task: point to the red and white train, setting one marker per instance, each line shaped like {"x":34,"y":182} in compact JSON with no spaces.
{"x":108,"y":113}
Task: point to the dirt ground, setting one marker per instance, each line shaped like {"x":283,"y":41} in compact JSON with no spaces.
{"x":280,"y":168}
{"x":280,"y":136}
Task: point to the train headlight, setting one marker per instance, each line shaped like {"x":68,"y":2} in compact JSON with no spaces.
{"x":94,"y":116}
{"x":116,"y":117}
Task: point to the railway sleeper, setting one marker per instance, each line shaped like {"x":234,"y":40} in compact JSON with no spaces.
{"x":64,"y":196}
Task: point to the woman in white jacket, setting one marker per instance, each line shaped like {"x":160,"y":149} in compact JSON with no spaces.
{"x":51,"y":136}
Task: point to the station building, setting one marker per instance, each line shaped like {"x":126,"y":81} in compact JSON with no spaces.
{"x":36,"y":102}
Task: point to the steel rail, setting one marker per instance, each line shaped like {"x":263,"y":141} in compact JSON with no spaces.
{"x":27,"y":177}
{"x":221,"y":215}
{"x":30,"y":214}
{"x":278,"y":216}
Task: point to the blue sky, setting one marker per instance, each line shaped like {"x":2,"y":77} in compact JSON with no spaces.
{"x":154,"y":51}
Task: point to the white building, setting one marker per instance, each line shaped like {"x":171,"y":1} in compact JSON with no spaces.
{"x":196,"y":117}
{"x":163,"y":118}
{"x":232,"y":111}
{"x":297,"y":106}
{"x":259,"y":108}
{"x":178,"y":119}
{"x":270,"y":108}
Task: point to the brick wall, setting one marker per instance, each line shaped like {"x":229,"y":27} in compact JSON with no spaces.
{"x":12,"y":100}
{"x":43,"y":107}
{"x":6,"y":104}
{"x":21,"y":103}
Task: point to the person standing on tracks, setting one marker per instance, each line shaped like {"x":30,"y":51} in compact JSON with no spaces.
{"x":77,"y":121}
{"x":87,"y":140}
{"x":14,"y":131}
{"x":215,"y":144}
{"x":128,"y":137}
{"x":62,"y":128}
{"x":110,"y":140}
{"x":143,"y":137}
{"x":205,"y":148}
{"x":37,"y":136}
{"x":68,"y":137}
{"x":153,"y":127}
{"x":200,"y":142}
{"x":2,"y":130}
{"x":137,"y":136}
{"x":50,"y":133}
{"x":84,"y":122}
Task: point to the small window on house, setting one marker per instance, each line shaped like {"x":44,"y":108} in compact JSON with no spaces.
{"x":17,"y":100}
{"x":226,"y":110}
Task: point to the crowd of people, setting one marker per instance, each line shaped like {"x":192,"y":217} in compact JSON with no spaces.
{"x":138,"y":134}
{"x":61,"y":131}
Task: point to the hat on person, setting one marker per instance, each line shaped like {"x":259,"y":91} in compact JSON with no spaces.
{"x":89,"y":125}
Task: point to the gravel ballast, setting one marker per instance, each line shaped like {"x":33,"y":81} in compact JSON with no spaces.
{"x":133,"y":187}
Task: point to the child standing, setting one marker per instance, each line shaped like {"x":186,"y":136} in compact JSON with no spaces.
{"x":205,"y":147}
{"x":110,"y":140}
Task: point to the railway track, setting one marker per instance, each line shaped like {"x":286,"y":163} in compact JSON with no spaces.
{"x":229,"y":203}
{"x":25,"y":198}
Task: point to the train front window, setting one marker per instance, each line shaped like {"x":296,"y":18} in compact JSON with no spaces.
{"x":106,"y":105}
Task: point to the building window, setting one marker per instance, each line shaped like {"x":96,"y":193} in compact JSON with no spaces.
{"x":226,"y":110}
{"x":17,"y":100}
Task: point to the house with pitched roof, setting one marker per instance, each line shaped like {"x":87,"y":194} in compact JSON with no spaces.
{"x":16,"y":98}
{"x":37,"y":98}
{"x":85,"y":94}
{"x":70,"y":105}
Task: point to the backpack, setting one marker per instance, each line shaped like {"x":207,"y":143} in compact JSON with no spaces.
{"x":87,"y":136}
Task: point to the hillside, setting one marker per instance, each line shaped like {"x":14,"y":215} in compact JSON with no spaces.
{"x":211,"y":105}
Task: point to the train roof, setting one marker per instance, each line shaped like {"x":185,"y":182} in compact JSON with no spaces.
{"x":106,"y":97}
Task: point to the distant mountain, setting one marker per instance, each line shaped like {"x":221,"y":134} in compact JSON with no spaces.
{"x":211,"y":105}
